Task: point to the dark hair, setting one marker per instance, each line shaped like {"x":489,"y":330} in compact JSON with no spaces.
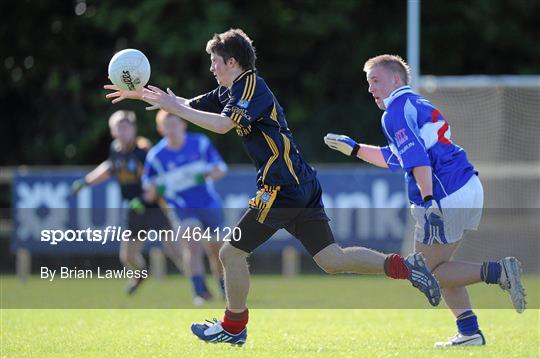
{"x":233,"y":44}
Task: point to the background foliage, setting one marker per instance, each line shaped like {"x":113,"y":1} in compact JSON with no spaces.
{"x":54,"y":57}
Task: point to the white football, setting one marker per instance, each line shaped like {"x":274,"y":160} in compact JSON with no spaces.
{"x":129,"y":69}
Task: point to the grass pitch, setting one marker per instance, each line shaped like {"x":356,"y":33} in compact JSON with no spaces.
{"x":283,"y":331}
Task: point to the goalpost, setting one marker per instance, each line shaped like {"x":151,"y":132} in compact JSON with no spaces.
{"x":496,"y":119}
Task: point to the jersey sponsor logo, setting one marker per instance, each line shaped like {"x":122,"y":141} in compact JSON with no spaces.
{"x":241,"y":112}
{"x":243,"y":103}
{"x":406,"y":148}
{"x":401,"y":136}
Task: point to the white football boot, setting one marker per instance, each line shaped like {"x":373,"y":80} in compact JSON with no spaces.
{"x":510,"y":282}
{"x":460,"y":340}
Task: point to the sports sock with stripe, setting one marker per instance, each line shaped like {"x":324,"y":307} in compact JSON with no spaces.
{"x":235,"y":322}
{"x":467,"y":323}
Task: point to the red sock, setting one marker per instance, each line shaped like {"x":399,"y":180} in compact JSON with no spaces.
{"x":235,"y":322}
{"x":394,"y":267}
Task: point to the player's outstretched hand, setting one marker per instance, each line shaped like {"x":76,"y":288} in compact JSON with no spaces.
{"x":160,"y":99}
{"x":342,"y":143}
{"x":119,"y":94}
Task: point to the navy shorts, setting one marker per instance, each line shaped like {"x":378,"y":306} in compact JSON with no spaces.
{"x":295,"y":208}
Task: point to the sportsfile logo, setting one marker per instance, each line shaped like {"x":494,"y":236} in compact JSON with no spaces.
{"x":130,"y":82}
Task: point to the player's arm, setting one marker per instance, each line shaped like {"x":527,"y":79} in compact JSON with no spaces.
{"x":423,"y":177}
{"x":215,"y":173}
{"x":152,"y":186}
{"x":346,"y":145}
{"x":169,"y":102}
{"x":101,"y":173}
{"x":215,"y":163}
{"x":173,"y":104}
{"x":98,"y":175}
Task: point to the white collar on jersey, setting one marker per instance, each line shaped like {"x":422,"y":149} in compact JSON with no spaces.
{"x":396,"y":93}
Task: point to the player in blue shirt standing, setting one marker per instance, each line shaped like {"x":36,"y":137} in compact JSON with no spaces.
{"x":126,"y":162}
{"x":289,"y":194}
{"x":444,"y":190}
{"x":182,"y":168}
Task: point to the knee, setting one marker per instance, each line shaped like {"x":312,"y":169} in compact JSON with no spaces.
{"x":330,"y":267}
{"x":229,"y":254}
{"x":331,"y":259}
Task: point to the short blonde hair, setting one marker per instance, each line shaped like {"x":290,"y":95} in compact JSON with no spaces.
{"x":394,"y":63}
{"x":123,"y":115}
{"x":162,"y":114}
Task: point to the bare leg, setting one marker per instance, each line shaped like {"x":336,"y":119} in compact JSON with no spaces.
{"x":173,"y":251}
{"x":438,"y":258}
{"x":334,"y":259}
{"x":192,"y":257}
{"x":212,"y":250}
{"x":131,"y":254}
{"x":236,"y":274}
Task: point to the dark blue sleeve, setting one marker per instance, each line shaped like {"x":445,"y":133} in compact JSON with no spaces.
{"x":248,"y":101}
{"x":208,"y":102}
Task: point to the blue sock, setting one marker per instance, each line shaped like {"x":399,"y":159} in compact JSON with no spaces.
{"x":467,"y":323}
{"x":222,"y":285}
{"x":491,"y":272}
{"x":198,"y":285}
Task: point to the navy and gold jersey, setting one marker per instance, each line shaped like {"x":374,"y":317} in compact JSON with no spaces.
{"x":128,"y":166}
{"x":261,"y":123}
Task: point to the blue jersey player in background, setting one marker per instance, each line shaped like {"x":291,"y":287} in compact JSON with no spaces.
{"x":125,"y":163}
{"x":181,"y":168}
{"x":445,"y":192}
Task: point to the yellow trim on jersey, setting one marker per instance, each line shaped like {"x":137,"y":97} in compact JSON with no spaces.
{"x":240,"y":76}
{"x":287,"y":157}
{"x":275,"y":154}
{"x":246,"y":86}
{"x":251,"y":91}
{"x":249,"y":88}
{"x":273,"y":115}
{"x":236,"y":118}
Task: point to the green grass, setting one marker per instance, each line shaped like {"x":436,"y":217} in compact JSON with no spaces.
{"x":306,"y":291}
{"x":272,"y":333}
{"x":364,"y":329}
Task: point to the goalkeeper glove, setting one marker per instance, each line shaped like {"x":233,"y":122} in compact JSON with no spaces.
{"x":137,"y":206}
{"x":342,"y":143}
{"x":434,"y":221}
{"x":78,"y":185}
